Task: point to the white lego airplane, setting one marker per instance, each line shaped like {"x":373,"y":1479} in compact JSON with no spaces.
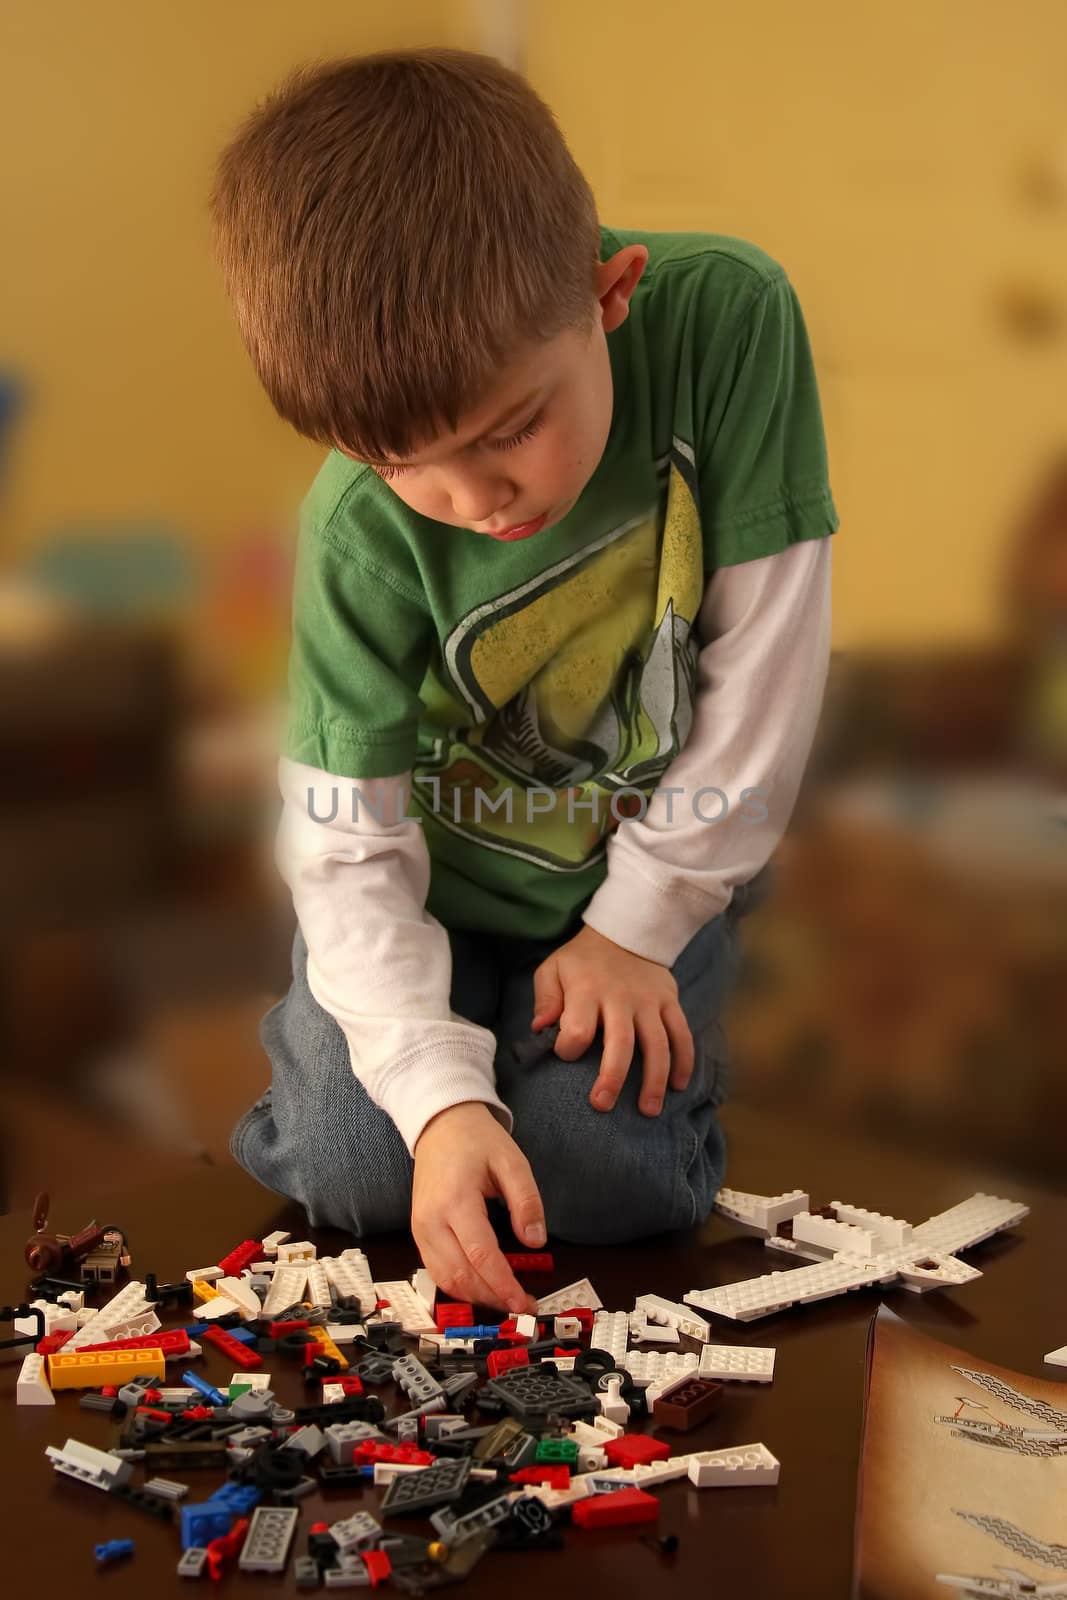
{"x":852,"y":1248}
{"x":1014,"y":1585}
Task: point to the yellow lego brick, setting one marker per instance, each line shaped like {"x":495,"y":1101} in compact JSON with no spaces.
{"x":91,"y":1369}
{"x":202,"y":1291}
{"x":329,"y":1348}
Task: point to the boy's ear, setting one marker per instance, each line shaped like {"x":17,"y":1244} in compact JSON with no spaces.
{"x":617,"y":278}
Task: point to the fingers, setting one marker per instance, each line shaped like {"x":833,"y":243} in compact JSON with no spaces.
{"x":683,"y":1051}
{"x":577,"y":1023}
{"x":483,"y":1254}
{"x":518,"y":1189}
{"x":656,"y":1056}
{"x":548,"y":995}
{"x":615,"y":1059}
{"x":449,"y":1268}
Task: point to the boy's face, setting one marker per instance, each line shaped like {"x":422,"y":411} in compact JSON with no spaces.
{"x":517,"y":464}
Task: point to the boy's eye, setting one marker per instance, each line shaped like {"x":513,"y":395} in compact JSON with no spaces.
{"x":524,"y":433}
{"x":388,"y":470}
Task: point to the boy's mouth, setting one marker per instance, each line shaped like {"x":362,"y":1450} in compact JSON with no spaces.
{"x":522,"y":530}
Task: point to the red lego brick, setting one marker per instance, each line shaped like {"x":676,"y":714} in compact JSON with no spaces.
{"x":538,"y":1262}
{"x":155,"y":1413}
{"x":152,"y":1397}
{"x":453,"y":1314}
{"x":172,"y":1342}
{"x":240,"y":1258}
{"x":369,"y":1450}
{"x":219,"y":1551}
{"x":232,"y":1348}
{"x":498,"y":1361}
{"x":199,"y":1413}
{"x":614,"y":1510}
{"x":53,"y":1342}
{"x":349,"y":1381}
{"x":110,"y":1390}
{"x":556,"y":1474}
{"x":278,"y":1330}
{"x":378,"y":1565}
{"x":319,"y":1527}
{"x":635,"y":1449}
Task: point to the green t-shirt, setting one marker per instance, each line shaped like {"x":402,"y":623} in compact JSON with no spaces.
{"x":525,"y":684}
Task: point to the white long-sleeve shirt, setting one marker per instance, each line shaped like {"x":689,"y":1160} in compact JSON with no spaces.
{"x":381,"y":965}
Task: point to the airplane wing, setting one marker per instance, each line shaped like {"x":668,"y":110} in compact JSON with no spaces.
{"x":773,"y":1291}
{"x":968,"y":1223}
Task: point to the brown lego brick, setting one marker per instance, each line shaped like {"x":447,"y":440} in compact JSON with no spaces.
{"x":686,"y":1405}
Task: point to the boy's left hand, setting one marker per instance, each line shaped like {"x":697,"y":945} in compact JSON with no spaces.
{"x":590,"y":980}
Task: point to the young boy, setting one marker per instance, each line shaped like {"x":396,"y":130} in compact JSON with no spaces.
{"x":560,"y":638}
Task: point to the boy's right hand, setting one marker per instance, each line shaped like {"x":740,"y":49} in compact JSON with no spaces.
{"x":462,"y":1156}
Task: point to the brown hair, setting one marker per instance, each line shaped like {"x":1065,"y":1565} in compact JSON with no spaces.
{"x":392,"y":229}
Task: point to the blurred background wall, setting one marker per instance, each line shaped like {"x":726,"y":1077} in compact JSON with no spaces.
{"x":907,"y":164}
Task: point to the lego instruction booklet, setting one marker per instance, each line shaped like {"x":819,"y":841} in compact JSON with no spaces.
{"x":963,"y":1479}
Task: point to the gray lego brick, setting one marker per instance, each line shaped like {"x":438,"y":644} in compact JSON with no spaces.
{"x":192,"y":1563}
{"x":270,"y":1533}
{"x":415,"y":1492}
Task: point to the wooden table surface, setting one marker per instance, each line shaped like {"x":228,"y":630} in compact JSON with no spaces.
{"x":793,"y":1540}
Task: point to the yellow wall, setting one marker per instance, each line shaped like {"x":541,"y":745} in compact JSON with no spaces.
{"x":875,"y":150}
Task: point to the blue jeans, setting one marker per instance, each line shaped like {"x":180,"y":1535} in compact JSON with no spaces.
{"x":317,"y":1137}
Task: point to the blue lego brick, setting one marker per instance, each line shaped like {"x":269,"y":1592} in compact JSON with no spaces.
{"x":112,"y":1550}
{"x":478,"y":1331}
{"x":209,"y":1392}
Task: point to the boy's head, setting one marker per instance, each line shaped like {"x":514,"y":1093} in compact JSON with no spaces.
{"x":414,"y":260}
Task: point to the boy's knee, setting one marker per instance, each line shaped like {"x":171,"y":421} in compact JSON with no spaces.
{"x":611,"y":1177}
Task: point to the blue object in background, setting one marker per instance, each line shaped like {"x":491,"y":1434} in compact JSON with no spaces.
{"x":114,"y":572}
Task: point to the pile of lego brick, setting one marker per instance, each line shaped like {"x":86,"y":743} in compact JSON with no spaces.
{"x":499,"y":1435}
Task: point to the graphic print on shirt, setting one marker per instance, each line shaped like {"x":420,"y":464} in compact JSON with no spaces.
{"x":581,"y":681}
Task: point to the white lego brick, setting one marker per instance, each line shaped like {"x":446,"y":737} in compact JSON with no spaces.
{"x":406,"y":1307}
{"x":262,"y":1269}
{"x":561,"y":1363}
{"x":345,"y":1332}
{"x":645,"y":1474}
{"x":968,"y":1223}
{"x":605,"y":1427}
{"x":829,"y":1237}
{"x":737,"y":1363}
{"x":318,"y":1286}
{"x":126,"y":1315}
{"x":925,"y":1270}
{"x":205,"y":1274}
{"x":257,"y":1381}
{"x":246,"y":1299}
{"x":179,"y":1395}
{"x":425,"y":1288}
{"x":1057,"y":1358}
{"x":99,"y":1468}
{"x":590,"y":1458}
{"x":32,"y":1387}
{"x":73,"y":1299}
{"x":611,"y":1403}
{"x":764,"y":1212}
{"x":585,"y":1434}
{"x":773,"y":1291}
{"x":273,"y":1240}
{"x":286,"y":1288}
{"x":647,"y":1366}
{"x":349,"y":1276}
{"x":737,"y":1468}
{"x":611,"y":1332}
{"x":889,"y":1232}
{"x":297,"y":1250}
{"x":332,"y":1394}
{"x":221,"y":1306}
{"x":673,"y":1315}
{"x":642,"y":1331}
{"x":526,"y":1325}
{"x":580,"y":1294}
{"x":567,"y":1327}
